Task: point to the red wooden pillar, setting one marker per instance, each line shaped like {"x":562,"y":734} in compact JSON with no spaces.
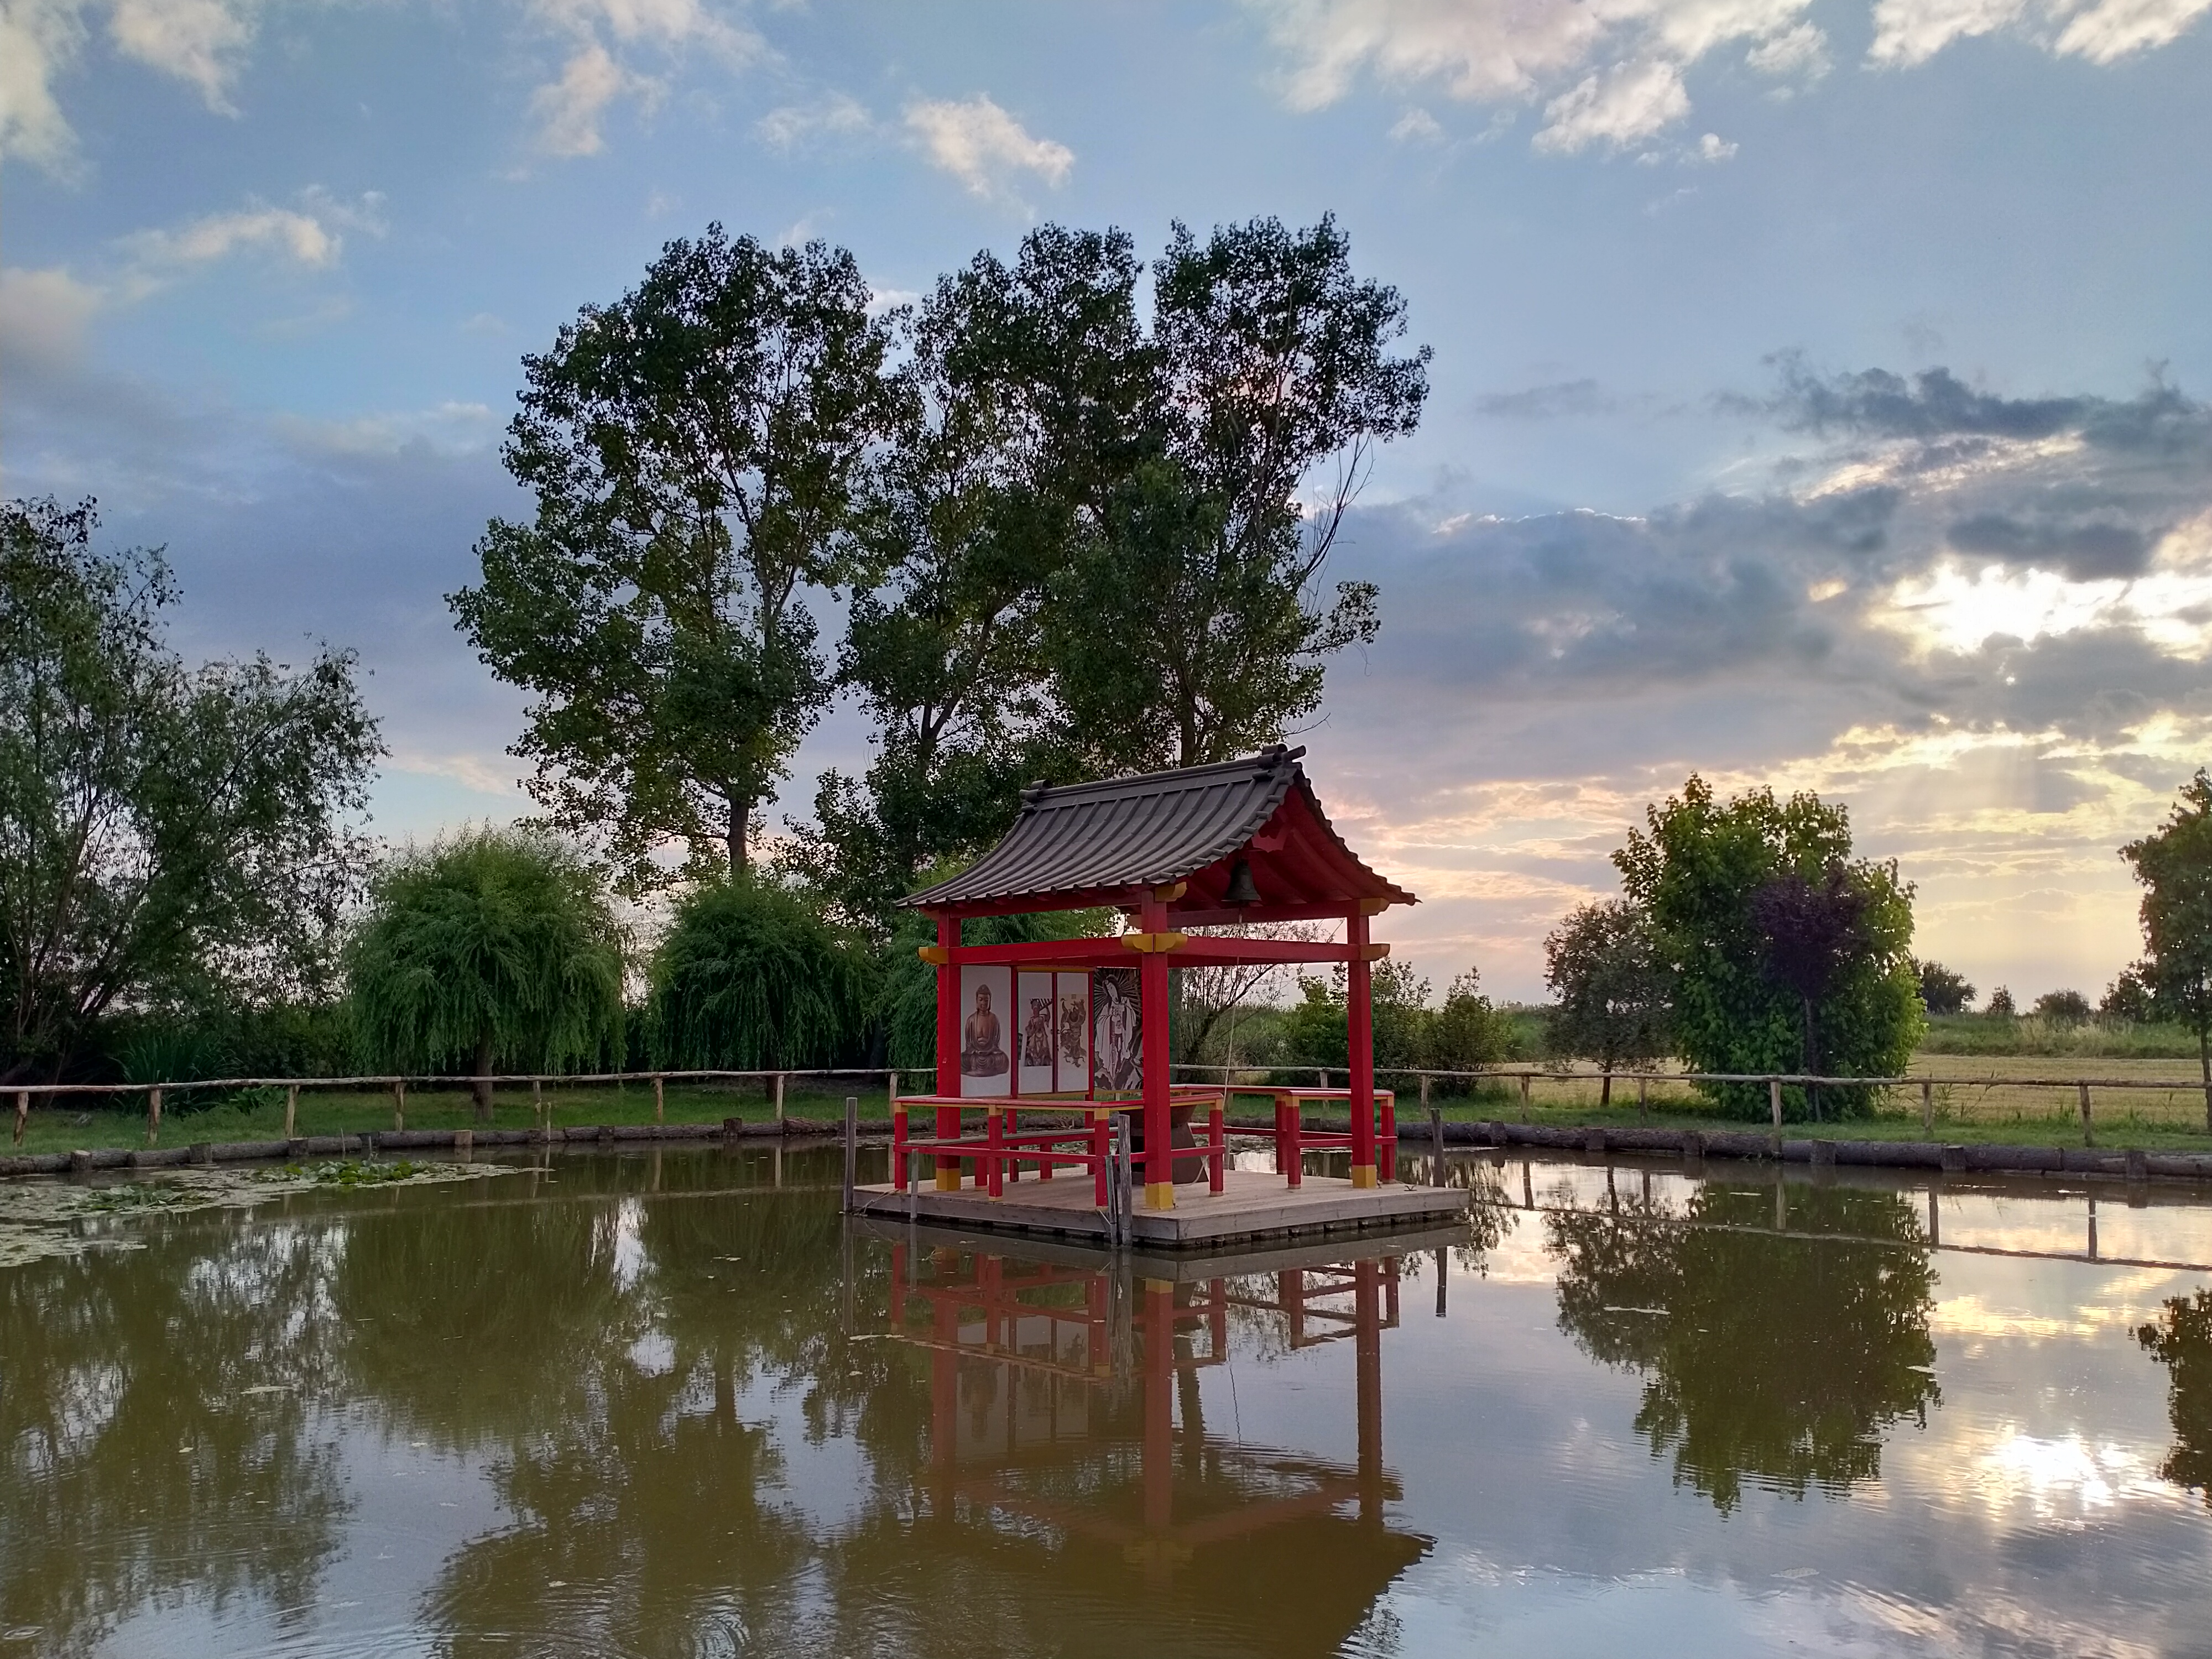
{"x":1152,"y":1011}
{"x":948,"y":1048}
{"x":1360,"y":1017}
{"x":1367,"y":1345}
{"x":1159,"y":1405}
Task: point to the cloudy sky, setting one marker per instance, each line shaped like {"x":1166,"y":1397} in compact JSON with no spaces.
{"x":1819,"y":394}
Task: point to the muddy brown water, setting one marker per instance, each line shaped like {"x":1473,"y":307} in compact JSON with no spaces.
{"x":670,"y":1405}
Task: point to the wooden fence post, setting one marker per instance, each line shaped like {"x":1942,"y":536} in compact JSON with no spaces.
{"x":1774,"y":1101}
{"x":399,"y":1102}
{"x":852,"y":1147}
{"x":22,"y":1113}
{"x":1524,"y":1096}
{"x":1642,"y":1096}
{"x":537,"y":1102}
{"x":2088,"y":1127}
{"x":291,"y":1109}
{"x":1437,"y":1135}
{"x":1927,"y":1105}
{"x":779,"y":1097}
{"x":893,"y":1089}
{"x":152,"y":1117}
{"x":660,"y":1105}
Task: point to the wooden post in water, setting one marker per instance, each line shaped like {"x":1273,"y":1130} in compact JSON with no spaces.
{"x":890,"y":1092}
{"x":152,"y":1117}
{"x":399,"y":1102}
{"x":291,"y":1109}
{"x":22,"y":1113}
{"x":660,"y":1100}
{"x":852,"y":1147}
{"x":1524,"y":1096}
{"x":1437,"y":1137}
{"x":1927,"y":1105}
{"x":2088,"y":1127}
{"x":1774,"y":1101}
{"x":778,"y":1098}
{"x":538,"y":1103}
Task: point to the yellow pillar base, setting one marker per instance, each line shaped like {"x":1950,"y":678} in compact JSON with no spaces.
{"x":1363,"y":1174}
{"x":1159,"y":1194}
{"x":948,"y":1180}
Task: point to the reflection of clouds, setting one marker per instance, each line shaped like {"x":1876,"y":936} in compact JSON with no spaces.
{"x":2066,"y":1479}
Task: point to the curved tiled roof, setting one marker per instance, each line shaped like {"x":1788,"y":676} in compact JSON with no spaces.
{"x":1141,"y":831}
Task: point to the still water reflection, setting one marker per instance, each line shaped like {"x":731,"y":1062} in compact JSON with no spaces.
{"x":663,"y":1406}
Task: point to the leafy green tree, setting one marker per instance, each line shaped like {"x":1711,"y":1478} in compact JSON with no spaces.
{"x":1317,"y":1027}
{"x":1186,"y":627}
{"x":2062,"y":1007}
{"x":2129,"y":997}
{"x":1695,"y":870}
{"x":169,"y":836}
{"x":1468,"y":1033}
{"x":752,"y":975}
{"x":2181,"y":1340}
{"x":2174,"y":864}
{"x":1018,"y":385}
{"x":1611,"y":986}
{"x":694,"y":448}
{"x":1942,"y":991}
{"x":2000,"y":1005}
{"x":1777,"y":1361}
{"x":495,"y":947}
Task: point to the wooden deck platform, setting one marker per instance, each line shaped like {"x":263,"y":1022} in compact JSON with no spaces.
{"x":1251,"y":1206}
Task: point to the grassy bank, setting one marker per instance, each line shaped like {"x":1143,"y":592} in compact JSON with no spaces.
{"x":1976,"y":1100}
{"x":80,"y":1123}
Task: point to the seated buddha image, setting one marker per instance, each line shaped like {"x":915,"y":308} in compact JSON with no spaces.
{"x":982,"y":1044}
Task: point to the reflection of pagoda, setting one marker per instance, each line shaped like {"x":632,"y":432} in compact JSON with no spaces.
{"x":1065,"y":1402}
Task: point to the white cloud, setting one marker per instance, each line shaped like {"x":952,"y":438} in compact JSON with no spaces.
{"x":981,"y":145}
{"x":197,"y":42}
{"x":200,"y":42}
{"x":451,"y":428}
{"x":786,"y":129}
{"x":2115,"y":28}
{"x":1714,"y":148}
{"x":1802,"y":51}
{"x":1617,"y":109}
{"x":1910,"y":32}
{"x":1611,"y":72}
{"x":35,"y":41}
{"x":568,"y":109}
{"x":43,"y":314}
{"x":301,"y":237}
{"x":1417,"y":124}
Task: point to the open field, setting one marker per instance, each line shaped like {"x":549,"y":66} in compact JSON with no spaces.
{"x":1974,"y":1101}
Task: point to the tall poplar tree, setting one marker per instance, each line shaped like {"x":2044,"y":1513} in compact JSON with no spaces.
{"x":1190,"y":625}
{"x":693,"y":447}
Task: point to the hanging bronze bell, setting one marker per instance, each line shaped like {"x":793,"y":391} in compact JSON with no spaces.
{"x":1240,"y":890}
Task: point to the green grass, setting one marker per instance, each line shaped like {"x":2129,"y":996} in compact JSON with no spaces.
{"x":81,"y":1124}
{"x":1980,"y":1034}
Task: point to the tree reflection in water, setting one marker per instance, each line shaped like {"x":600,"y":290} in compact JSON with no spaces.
{"x":2181,"y":1340}
{"x":1779,"y":1360}
{"x":155,"y":1433}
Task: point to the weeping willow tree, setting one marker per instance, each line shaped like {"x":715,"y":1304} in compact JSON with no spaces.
{"x":750,"y":975}
{"x":494,"y":946}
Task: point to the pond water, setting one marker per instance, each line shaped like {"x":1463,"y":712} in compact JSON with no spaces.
{"x":671,"y":1404}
